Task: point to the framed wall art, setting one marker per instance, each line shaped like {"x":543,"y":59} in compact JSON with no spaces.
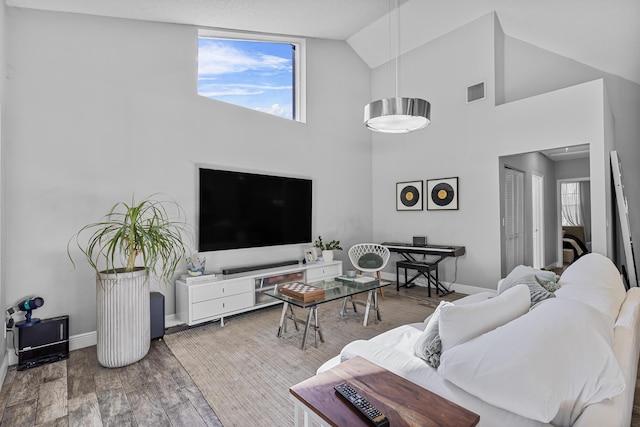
{"x":409,"y":196}
{"x":442,"y":194}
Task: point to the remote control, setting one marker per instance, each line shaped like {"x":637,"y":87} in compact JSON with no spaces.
{"x":376,"y":417}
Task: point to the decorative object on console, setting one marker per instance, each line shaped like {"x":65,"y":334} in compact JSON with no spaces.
{"x":397,"y":115}
{"x":327,"y":248}
{"x":122,"y":288}
{"x":301,"y":291}
{"x":310,"y":255}
{"x":195,"y":265}
{"x":442,"y":194}
{"x":409,"y":196}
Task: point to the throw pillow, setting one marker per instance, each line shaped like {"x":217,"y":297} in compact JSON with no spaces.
{"x":460,"y":323}
{"x":537,"y":291}
{"x":551,"y":285}
{"x":370,"y":261}
{"x":521,"y":271}
{"x":510,"y":368}
{"x":429,"y":346}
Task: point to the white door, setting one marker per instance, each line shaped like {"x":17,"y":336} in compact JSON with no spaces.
{"x":513,"y":218}
{"x":537,"y":207}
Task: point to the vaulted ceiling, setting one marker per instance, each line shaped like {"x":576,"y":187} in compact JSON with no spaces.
{"x":602,"y":34}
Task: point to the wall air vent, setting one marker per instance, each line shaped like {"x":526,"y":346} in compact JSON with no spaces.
{"x":475,"y":92}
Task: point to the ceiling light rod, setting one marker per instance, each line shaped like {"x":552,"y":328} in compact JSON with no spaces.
{"x":397,"y":115}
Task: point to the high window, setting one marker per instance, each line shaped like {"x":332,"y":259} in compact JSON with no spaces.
{"x":259,"y":72}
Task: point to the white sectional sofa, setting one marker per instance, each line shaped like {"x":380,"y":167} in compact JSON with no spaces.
{"x":568,"y":360}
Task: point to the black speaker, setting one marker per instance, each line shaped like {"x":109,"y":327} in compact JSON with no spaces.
{"x":419,"y":241}
{"x":44,"y":342}
{"x":157,"y":315}
{"x":246,"y":268}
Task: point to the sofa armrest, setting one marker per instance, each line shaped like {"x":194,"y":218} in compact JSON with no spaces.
{"x":626,"y":340}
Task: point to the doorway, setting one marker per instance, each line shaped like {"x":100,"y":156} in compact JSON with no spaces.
{"x":537,"y":229}
{"x":513,"y":220}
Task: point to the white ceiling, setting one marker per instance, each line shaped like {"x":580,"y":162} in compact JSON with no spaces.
{"x":604,"y":34}
{"x":567,"y":153}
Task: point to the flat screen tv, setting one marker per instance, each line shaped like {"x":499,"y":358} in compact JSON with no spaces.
{"x":245,"y":210}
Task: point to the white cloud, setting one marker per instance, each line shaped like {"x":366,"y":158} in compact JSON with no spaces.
{"x":218,"y":58}
{"x":215,"y":90}
{"x":228,"y":91}
{"x":277,"y":110}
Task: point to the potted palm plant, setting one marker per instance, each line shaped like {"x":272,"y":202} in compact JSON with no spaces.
{"x":127,"y":233}
{"x":327,"y":248}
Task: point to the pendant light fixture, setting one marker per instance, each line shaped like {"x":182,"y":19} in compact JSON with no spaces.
{"x":397,"y":115}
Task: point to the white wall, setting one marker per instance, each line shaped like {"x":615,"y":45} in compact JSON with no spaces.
{"x":466,"y":140}
{"x":100,"y":108}
{"x":531,"y":71}
{"x":577,"y":168}
{"x":3,"y":68}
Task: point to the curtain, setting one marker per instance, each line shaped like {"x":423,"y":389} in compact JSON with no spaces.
{"x":571,"y":203}
{"x":585,"y":209}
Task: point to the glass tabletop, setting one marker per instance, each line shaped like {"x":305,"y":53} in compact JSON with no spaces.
{"x":338,"y":288}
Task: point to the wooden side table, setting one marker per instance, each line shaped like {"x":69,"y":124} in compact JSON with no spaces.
{"x":404,"y":403}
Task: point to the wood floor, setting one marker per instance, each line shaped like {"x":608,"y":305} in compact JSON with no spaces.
{"x":155,"y":391}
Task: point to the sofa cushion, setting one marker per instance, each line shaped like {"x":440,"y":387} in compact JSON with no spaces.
{"x":401,"y":338}
{"x":370,"y":260}
{"x":547,"y":365}
{"x":594,"y":280}
{"x":461,"y":322}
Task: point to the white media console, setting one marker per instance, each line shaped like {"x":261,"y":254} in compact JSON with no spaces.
{"x":205,"y":300}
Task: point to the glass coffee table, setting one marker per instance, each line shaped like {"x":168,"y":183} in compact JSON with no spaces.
{"x":342,"y":287}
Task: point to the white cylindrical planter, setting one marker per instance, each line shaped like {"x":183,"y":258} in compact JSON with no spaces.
{"x":327,"y":256}
{"x":123,"y":319}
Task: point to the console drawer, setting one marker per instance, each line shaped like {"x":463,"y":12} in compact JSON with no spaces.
{"x":220,"y":306}
{"x":323,"y":272}
{"x":219,"y":290}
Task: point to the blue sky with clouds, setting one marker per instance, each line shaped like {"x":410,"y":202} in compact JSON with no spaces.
{"x":255,"y":75}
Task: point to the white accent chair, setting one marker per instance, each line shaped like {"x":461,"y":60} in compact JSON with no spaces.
{"x":356,"y":252}
{"x":368,"y":258}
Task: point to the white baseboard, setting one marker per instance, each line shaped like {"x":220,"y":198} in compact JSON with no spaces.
{"x":458,"y":287}
{"x":171,"y":320}
{"x":79,"y":341}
